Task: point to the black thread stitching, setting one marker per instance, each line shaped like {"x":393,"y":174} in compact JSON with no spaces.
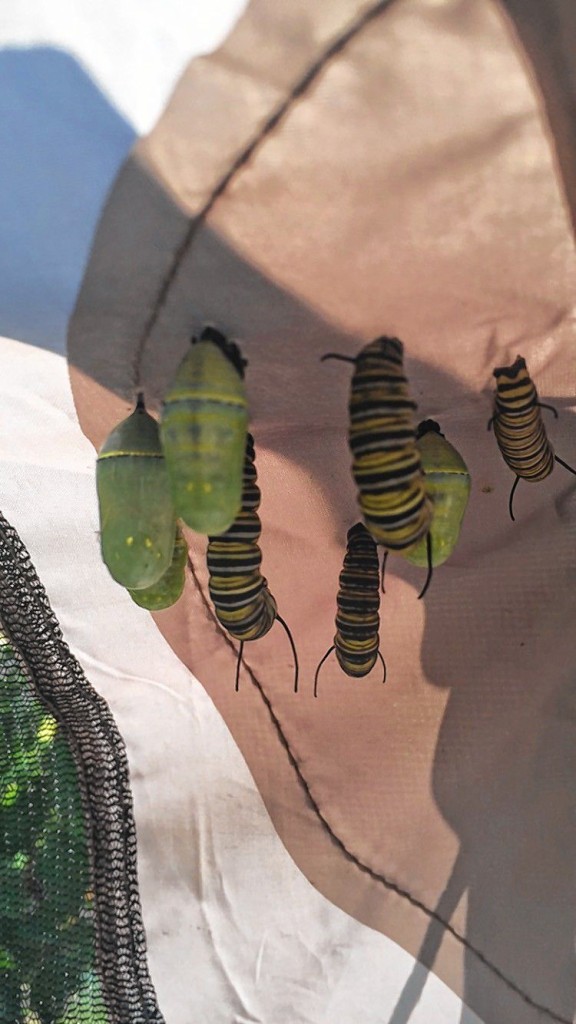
{"x":352,"y":857}
{"x":314,"y":70}
{"x":298,"y":90}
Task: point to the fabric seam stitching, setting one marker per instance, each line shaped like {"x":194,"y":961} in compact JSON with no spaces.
{"x":332,"y":50}
{"x":352,"y":857}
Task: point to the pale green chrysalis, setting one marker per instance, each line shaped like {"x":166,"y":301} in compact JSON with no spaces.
{"x":203,"y":429}
{"x":166,"y":591}
{"x":137,"y":520}
{"x":448,"y":484}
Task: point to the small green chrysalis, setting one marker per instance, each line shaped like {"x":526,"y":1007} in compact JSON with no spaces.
{"x":166,"y":591}
{"x":448,"y":484}
{"x":203,"y":430}
{"x":137,"y":520}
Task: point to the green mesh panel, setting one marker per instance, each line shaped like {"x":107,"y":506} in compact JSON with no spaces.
{"x":47,"y":936}
{"x":72,"y":945}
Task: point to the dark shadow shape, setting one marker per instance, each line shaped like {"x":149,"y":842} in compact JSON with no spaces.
{"x":61,"y":143}
{"x":499,"y":805}
{"x":505,"y":763}
{"x":505,"y":771}
{"x":412,"y":991}
{"x":551,"y":68}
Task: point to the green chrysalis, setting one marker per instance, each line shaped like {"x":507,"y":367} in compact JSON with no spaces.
{"x":448,"y":484}
{"x":137,"y":520}
{"x":166,"y":591}
{"x":203,"y":430}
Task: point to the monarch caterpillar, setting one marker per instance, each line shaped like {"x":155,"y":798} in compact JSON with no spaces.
{"x":137,"y":518}
{"x":357,"y":643}
{"x":519,"y":428}
{"x":243,"y":603}
{"x":386,"y":463}
{"x":203,"y":430}
{"x":448,"y":485}
{"x":166,"y":591}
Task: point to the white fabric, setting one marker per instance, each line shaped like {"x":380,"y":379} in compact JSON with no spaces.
{"x":133,"y":49}
{"x":235,"y":932}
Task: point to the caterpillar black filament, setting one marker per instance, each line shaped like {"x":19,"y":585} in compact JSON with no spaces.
{"x":519,"y":428}
{"x":243,"y":603}
{"x":357,"y":643}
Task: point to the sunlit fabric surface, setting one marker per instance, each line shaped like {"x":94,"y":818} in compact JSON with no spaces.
{"x":235,"y":931}
{"x":405,"y":185}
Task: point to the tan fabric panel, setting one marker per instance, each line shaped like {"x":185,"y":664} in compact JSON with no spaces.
{"x":409,"y":187}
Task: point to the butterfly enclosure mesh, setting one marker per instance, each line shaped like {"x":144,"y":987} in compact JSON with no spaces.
{"x":72,"y":944}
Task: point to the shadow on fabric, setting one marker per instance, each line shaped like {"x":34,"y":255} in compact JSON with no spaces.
{"x":504,"y":767}
{"x":61,"y":143}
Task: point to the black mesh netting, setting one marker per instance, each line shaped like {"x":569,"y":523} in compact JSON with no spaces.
{"x":72,"y":945}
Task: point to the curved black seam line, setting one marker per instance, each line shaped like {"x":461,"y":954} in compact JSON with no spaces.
{"x":298,"y":90}
{"x":352,"y":857}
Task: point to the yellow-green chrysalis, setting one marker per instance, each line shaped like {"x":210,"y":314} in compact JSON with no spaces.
{"x":166,"y":591}
{"x":448,"y":484}
{"x":203,"y":430}
{"x":137,"y":520}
